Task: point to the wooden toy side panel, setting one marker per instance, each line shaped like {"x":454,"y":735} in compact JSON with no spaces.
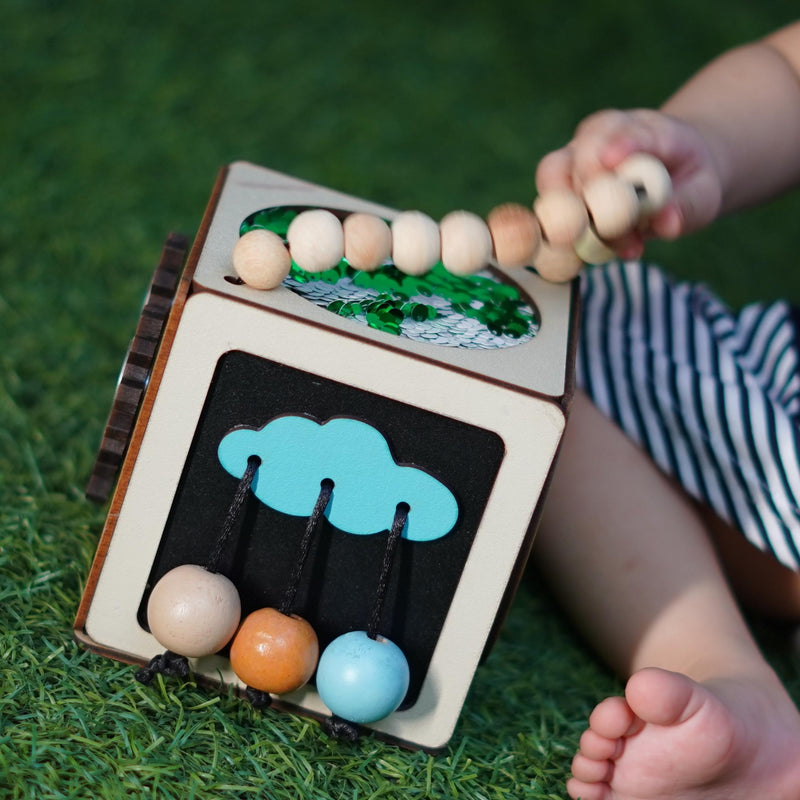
{"x":335,"y":591}
{"x":539,"y":365}
{"x":530,"y":428}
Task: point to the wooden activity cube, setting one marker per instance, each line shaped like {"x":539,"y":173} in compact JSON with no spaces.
{"x":213,"y":356}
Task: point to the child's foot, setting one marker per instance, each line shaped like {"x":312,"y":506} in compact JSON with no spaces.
{"x":671,"y":738}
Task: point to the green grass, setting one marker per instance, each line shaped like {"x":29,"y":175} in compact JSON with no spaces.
{"x":115,"y":124}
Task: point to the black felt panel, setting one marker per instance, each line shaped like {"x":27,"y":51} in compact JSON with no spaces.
{"x":340,"y":578}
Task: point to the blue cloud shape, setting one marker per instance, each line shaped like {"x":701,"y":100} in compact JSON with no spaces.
{"x":297,"y":454}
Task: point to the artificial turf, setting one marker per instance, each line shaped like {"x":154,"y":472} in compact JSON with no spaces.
{"x":117,"y":118}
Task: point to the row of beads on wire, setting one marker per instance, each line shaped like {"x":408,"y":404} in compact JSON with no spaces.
{"x":562,"y":231}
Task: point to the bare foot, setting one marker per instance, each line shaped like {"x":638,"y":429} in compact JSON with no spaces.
{"x":671,"y":738}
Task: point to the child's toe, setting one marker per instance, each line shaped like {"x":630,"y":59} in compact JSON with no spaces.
{"x":578,"y":790}
{"x":589,"y":770}
{"x":613,"y":718}
{"x":664,"y":698}
{"x":598,"y":747}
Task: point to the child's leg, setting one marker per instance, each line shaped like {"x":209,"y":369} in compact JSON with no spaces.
{"x":630,"y":558}
{"x":758,"y":580}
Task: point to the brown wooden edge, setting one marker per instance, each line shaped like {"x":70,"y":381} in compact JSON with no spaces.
{"x":136,"y":369}
{"x":525,"y":550}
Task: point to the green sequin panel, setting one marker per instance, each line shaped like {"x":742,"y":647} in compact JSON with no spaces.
{"x":413,"y":305}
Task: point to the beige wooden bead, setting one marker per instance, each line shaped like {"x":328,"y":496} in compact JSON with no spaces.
{"x":416,"y":244}
{"x":193,"y":612}
{"x":515,"y":234}
{"x":466,"y":243}
{"x":260,"y":259}
{"x":367,"y":241}
{"x":592,"y":249}
{"x":557,"y":264}
{"x":562,"y":216}
{"x":651,"y":180}
{"x":613,"y":205}
{"x":316,"y":240}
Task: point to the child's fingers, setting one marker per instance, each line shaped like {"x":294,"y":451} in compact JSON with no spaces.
{"x":605,"y":139}
{"x":601,"y":142}
{"x":629,"y":247}
{"x":696,"y":202}
{"x":668,"y":223}
{"x":555,"y":171}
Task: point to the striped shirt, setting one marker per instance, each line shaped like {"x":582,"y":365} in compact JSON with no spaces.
{"x":712,"y":396}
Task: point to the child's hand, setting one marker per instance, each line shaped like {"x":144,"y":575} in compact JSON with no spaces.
{"x":605,"y":139}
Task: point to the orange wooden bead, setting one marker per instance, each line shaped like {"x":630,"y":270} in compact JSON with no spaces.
{"x":515,"y":234}
{"x":274,"y":652}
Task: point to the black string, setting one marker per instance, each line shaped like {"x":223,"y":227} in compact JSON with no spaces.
{"x":340,"y":728}
{"x":172,"y":664}
{"x":336,"y":726}
{"x":253,"y":463}
{"x":167,"y":663}
{"x":399,"y":522}
{"x":257,"y":698}
{"x":325,"y":492}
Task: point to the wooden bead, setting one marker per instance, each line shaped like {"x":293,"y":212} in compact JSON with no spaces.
{"x":651,"y":180}
{"x":592,"y":249}
{"x":562,"y":216}
{"x":361,"y":679}
{"x":613,"y":205}
{"x":466,"y":243}
{"x":367,"y":241}
{"x":416,"y":244}
{"x":316,"y":240}
{"x":193,"y":612}
{"x":515,"y":234}
{"x":260,"y":259}
{"x":274,"y":652}
{"x":557,"y":264}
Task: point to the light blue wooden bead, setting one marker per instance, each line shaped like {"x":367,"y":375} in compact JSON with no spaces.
{"x":361,"y":679}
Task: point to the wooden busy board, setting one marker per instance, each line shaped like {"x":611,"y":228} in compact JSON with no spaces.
{"x":464,"y":380}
